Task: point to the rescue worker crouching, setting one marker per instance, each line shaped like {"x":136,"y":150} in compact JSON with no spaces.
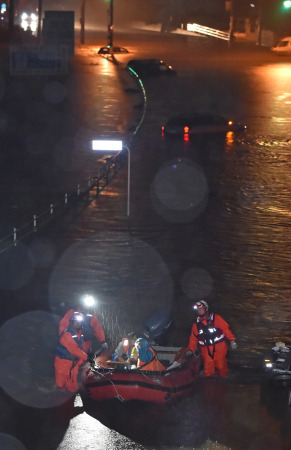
{"x":69,"y":355}
{"x":147,"y":358}
{"x":210,"y":332}
{"x":91,"y":327}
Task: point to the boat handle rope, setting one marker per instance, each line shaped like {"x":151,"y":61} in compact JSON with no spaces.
{"x":156,"y":380}
{"x":118,"y":396}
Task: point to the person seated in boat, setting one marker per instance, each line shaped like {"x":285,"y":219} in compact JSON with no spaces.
{"x":125,"y":352}
{"x":69,"y":355}
{"x":147,"y":357}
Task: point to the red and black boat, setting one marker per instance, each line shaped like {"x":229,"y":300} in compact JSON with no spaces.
{"x":178,"y":380}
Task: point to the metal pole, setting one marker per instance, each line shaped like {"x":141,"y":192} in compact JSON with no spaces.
{"x":259,"y":29}
{"x":82,"y":22}
{"x":231,"y":24}
{"x":128,"y":181}
{"x":11,"y":19}
{"x":110,"y":26}
{"x":39,"y":20}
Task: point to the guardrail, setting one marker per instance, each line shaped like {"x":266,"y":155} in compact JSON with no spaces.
{"x":208,"y":31}
{"x":88,"y":191}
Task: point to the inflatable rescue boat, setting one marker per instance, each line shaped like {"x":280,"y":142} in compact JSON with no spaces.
{"x":124,"y":383}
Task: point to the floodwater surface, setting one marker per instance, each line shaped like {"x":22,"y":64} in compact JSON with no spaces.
{"x":209,"y":218}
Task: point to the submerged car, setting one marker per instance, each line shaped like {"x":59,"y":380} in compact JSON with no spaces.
{"x":109,"y":50}
{"x":200,"y":124}
{"x":150,"y":67}
{"x":278,"y":365}
{"x":283,"y":47}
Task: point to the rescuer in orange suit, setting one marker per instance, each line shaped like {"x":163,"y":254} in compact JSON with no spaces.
{"x":69,"y":355}
{"x":210,"y":332}
{"x":91,"y":326}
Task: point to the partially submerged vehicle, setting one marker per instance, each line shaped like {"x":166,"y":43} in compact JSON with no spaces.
{"x":151,"y":67}
{"x":278,"y":365}
{"x":191,"y":124}
{"x":110,"y":50}
{"x":283,"y":47}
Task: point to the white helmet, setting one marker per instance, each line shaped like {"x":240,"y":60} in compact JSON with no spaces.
{"x":200,"y":304}
{"x":77,"y":317}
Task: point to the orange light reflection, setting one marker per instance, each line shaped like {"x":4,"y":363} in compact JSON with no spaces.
{"x":229,"y":139}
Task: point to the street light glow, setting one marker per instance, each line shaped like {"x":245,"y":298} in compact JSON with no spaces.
{"x":106,"y":145}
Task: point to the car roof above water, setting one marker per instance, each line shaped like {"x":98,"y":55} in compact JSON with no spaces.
{"x":145,"y":61}
{"x":197,"y":119}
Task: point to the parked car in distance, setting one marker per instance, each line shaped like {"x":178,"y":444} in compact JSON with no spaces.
{"x":200,"y":124}
{"x":150,"y":67}
{"x":283,"y":47}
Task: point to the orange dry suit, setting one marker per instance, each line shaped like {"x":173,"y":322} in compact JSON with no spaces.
{"x":210,"y":333}
{"x":154,"y":364}
{"x":91,"y":327}
{"x":69,"y":357}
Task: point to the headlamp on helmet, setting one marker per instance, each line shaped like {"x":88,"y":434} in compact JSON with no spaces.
{"x":200,"y":304}
{"x":77,"y":317}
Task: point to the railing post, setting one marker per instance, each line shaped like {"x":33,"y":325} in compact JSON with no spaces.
{"x":107,"y":174}
{"x":97,"y":187}
{"x":34,"y":223}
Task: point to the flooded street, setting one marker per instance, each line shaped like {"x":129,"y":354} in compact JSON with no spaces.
{"x":220,"y":230}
